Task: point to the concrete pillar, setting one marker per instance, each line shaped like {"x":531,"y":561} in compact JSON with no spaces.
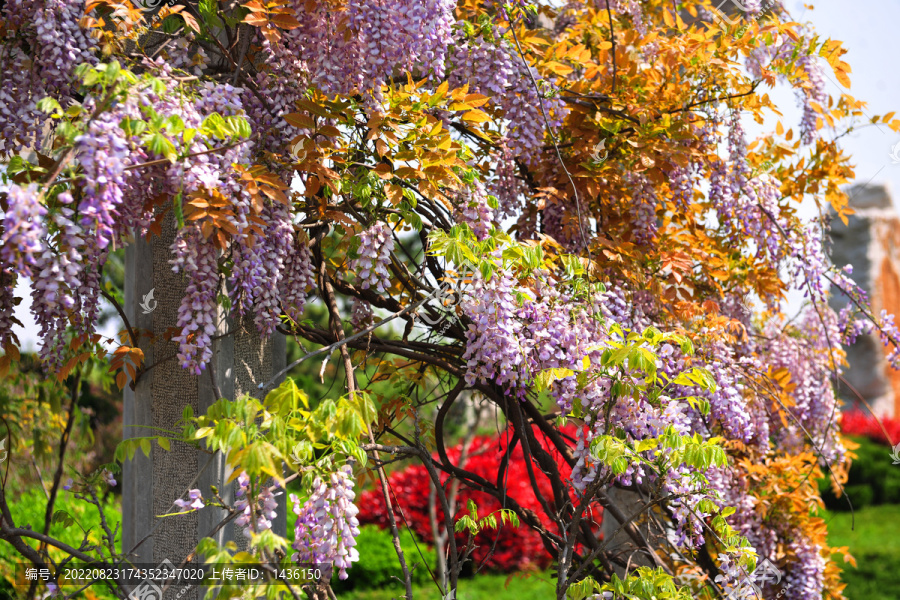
{"x":240,"y":361}
{"x":618,"y":540}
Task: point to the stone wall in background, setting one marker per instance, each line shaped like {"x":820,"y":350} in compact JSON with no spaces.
{"x":870,"y":242}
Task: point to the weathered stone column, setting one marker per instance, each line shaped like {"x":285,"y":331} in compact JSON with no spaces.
{"x":240,"y":361}
{"x":618,"y":540}
{"x":870,"y":243}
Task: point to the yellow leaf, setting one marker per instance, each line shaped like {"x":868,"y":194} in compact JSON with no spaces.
{"x":394,"y":193}
{"x":190,"y":21}
{"x":533,"y":39}
{"x":559,"y":68}
{"x":667,"y":17}
{"x":842,"y":77}
{"x":383,"y":170}
{"x":285,"y":21}
{"x":475,"y":100}
{"x":330,"y":131}
{"x":475,"y":116}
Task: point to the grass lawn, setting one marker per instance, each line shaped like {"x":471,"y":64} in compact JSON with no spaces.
{"x":875,"y":544}
{"x":538,"y":586}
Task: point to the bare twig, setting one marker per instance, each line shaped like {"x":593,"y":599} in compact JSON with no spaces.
{"x":115,"y":303}
{"x":63,"y":443}
{"x":345,"y":340}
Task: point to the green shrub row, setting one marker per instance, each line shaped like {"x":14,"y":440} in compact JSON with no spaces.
{"x":378,"y":563}
{"x":872,"y":479}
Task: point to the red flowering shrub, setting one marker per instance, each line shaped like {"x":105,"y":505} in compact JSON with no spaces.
{"x":508,"y":549}
{"x":858,"y":423}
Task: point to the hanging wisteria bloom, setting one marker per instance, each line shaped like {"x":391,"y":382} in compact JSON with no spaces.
{"x":23,"y":228}
{"x":473,"y":208}
{"x":327,"y":526}
{"x":509,"y":82}
{"x":375,"y":246}
{"x":108,"y":478}
{"x":298,"y":279}
{"x":194,"y":501}
{"x":198,"y":260}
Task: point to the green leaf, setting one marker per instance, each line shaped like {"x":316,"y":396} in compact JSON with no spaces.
{"x":133,"y":127}
{"x":465,"y":523}
{"x":350,"y":425}
{"x":582,"y":589}
{"x":241,"y":126}
{"x":545,"y":378}
{"x":697,"y":376}
{"x":63,"y":518}
{"x":286,"y":397}
{"x":487,"y":270}
{"x":203,"y":432}
{"x":160,"y":144}
{"x":92,"y":77}
{"x":364,"y":406}
{"x":48,"y":105}
{"x":112,"y":71}
{"x":174,"y":124}
{"x":172,"y":24}
{"x":178,"y":209}
{"x":644,"y":445}
{"x":214,"y":126}
{"x":208,"y":10}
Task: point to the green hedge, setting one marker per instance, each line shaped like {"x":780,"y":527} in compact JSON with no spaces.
{"x":872,"y":479}
{"x":378,"y":561}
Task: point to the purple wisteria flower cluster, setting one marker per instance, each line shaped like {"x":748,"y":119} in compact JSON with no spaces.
{"x":358,"y":48}
{"x":64,"y":251}
{"x":49,"y":42}
{"x":194,"y":501}
{"x":473,"y":208}
{"x":198,"y":259}
{"x":263,"y":507}
{"x":517,"y":333}
{"x":371,"y":267}
{"x":23,"y":229}
{"x":510,"y":85}
{"x":327,"y":526}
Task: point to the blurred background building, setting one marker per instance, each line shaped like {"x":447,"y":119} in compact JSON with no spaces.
{"x":870,"y":243}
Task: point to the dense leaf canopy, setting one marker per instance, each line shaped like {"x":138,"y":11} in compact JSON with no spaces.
{"x":560,"y":206}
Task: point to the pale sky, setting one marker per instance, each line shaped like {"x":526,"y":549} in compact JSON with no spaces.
{"x":868,"y":30}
